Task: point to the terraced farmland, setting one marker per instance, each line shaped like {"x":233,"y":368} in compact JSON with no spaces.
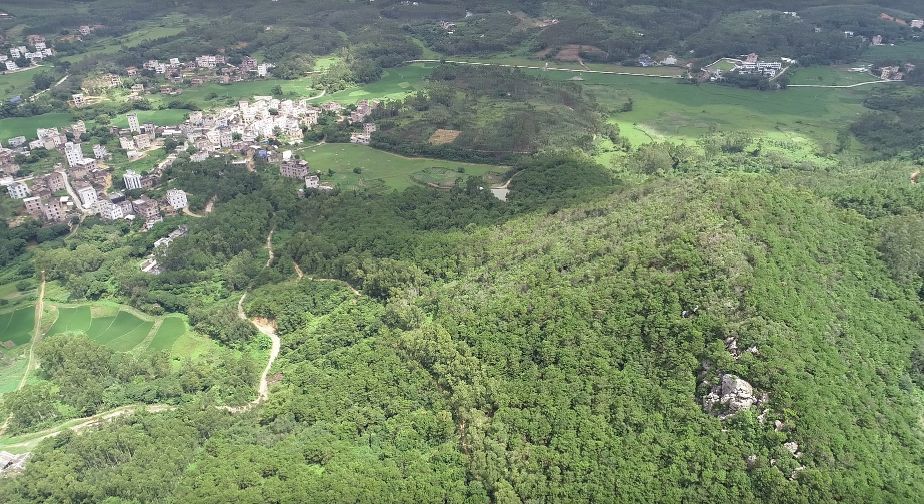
{"x":125,"y":330}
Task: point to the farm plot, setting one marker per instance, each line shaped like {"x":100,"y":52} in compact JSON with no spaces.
{"x":168,"y":334}
{"x":122,"y":332}
{"x":16,"y":326}
{"x":358,"y":166}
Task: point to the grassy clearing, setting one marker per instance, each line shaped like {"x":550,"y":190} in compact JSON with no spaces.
{"x":666,"y":109}
{"x":602,"y":67}
{"x":167,"y":27}
{"x":216,"y":95}
{"x":26,"y":126}
{"x":380,"y":169}
{"x":18,"y":83}
{"x":325,"y":62}
{"x":11,"y":293}
{"x":828,"y":76}
{"x":902,"y":51}
{"x":395,"y":83}
{"x":165,"y":117}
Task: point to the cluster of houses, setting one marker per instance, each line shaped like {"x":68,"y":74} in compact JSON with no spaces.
{"x":35,"y":50}
{"x":751,"y":65}
{"x":364,"y":109}
{"x":300,"y":169}
{"x":204,"y":69}
{"x":150,"y":265}
{"x":895,"y":72}
{"x":914,"y":23}
{"x":84,"y":180}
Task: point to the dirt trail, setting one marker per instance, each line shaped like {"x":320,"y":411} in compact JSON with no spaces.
{"x":298,"y":270}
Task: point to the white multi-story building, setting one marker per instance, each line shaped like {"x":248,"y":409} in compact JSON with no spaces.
{"x":87,"y":195}
{"x":312,"y":182}
{"x":110,"y":211}
{"x":78,"y":99}
{"x":132,"y":180}
{"x":225,"y":138}
{"x":100,"y":151}
{"x":177,"y":199}
{"x":133,"y":125}
{"x":73,"y":153}
{"x":142,"y":142}
{"x":18,"y":190}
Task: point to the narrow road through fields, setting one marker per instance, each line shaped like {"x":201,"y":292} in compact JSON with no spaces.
{"x":530,"y":67}
{"x":845,"y":86}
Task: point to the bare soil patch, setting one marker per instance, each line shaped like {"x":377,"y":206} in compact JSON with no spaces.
{"x":444,"y":136}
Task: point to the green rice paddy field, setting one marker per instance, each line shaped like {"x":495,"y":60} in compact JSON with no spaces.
{"x":16,"y":325}
{"x":384,"y":170}
{"x":125,"y":330}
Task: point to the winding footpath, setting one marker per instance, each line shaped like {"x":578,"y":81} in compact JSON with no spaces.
{"x":78,"y":425}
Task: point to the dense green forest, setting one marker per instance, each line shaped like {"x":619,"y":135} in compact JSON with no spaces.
{"x":731,"y":317}
{"x":554,"y":357}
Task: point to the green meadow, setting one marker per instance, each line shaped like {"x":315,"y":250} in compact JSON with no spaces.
{"x":395,"y":83}
{"x":663,"y":109}
{"x":165,"y":117}
{"x":384,"y":170}
{"x":18,"y":83}
{"x":215,"y":95}
{"x":26,"y":126}
{"x":902,"y":51}
{"x":103,"y":46}
{"x":828,"y":76}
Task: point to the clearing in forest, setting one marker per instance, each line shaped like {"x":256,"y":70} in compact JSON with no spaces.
{"x":444,"y":136}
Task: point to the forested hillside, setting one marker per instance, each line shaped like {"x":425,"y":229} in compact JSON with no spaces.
{"x":565,"y":357}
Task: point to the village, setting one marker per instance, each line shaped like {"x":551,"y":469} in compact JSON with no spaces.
{"x":253,"y":129}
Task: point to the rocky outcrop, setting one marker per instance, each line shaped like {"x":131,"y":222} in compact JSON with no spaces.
{"x":729,"y":396}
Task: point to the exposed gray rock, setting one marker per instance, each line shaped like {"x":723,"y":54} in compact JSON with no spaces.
{"x":729,"y":397}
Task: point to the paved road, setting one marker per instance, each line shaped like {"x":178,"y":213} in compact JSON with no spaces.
{"x":528,"y":67}
{"x":846,"y":86}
